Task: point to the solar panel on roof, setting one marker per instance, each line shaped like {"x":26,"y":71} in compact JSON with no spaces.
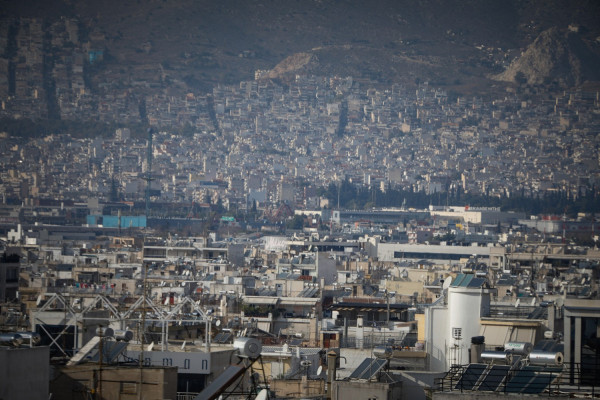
{"x":519,"y":381}
{"x":469,"y":378}
{"x":110,"y":351}
{"x":466,"y":280}
{"x":360,"y":369}
{"x":225,"y":337}
{"x":538,"y":384}
{"x":368,"y":368}
{"x":476,"y":282}
{"x":221,"y":383}
{"x":494,"y":378}
{"x":457,"y":281}
{"x":217,"y":338}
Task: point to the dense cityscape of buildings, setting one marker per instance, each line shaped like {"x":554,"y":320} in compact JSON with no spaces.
{"x":101,"y":299}
{"x":259,"y":139}
{"x":389,"y":293}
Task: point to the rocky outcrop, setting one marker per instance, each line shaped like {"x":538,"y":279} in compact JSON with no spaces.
{"x":554,"y":56}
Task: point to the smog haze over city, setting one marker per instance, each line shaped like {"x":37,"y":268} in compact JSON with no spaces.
{"x":416,"y":102}
{"x":192,"y":191}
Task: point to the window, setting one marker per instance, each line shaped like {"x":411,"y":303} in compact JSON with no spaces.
{"x":128,"y":387}
{"x":457,"y":333}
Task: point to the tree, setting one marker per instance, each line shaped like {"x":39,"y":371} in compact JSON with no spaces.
{"x":520,"y":78}
{"x":296,"y":222}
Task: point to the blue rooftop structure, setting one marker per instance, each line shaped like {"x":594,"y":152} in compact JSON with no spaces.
{"x":468,"y":280}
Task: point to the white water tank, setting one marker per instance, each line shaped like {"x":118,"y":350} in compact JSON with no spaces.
{"x":465,"y":308}
{"x":247,"y":347}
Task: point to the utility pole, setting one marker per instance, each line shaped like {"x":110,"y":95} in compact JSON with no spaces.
{"x":142,"y":328}
{"x":100,"y":350}
{"x":387,"y":298}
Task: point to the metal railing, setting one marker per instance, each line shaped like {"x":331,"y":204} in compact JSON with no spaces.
{"x":398,"y":341}
{"x":548,"y":381}
{"x":521,"y":312}
{"x":186,"y":395}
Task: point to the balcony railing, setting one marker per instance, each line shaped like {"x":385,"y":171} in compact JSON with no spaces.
{"x":541,"y":380}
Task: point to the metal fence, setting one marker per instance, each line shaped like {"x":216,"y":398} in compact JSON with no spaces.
{"x":371,"y":341}
{"x":521,"y":312}
{"x":186,"y":395}
{"x":541,"y":380}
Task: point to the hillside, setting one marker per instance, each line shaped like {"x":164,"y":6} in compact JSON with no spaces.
{"x":200,"y":43}
{"x":555,"y":56}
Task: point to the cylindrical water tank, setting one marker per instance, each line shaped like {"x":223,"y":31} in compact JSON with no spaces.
{"x":464,"y":305}
{"x":33,"y":337}
{"x":545,"y":358}
{"x":105,"y":332}
{"x":495,"y":356}
{"x":522,"y":348}
{"x":247,"y":347}
{"x":124,"y":335}
{"x":11,"y":339}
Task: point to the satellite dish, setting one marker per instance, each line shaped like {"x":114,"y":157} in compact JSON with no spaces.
{"x":559,"y":302}
{"x":447,"y":283}
{"x":218,"y":322}
{"x":183,"y":345}
{"x":319,"y":370}
{"x":262,"y":395}
{"x":150,"y":347}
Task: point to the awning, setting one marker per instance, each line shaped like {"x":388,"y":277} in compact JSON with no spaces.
{"x":497,"y":334}
{"x":298,"y":301}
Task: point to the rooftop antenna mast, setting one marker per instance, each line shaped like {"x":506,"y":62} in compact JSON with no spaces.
{"x":149,"y":171}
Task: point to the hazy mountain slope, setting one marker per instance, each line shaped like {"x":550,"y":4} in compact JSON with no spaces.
{"x":555,"y":56}
{"x":198,"y":43}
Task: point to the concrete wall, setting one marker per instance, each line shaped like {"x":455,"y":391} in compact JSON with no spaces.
{"x":416,"y":384}
{"x":326,"y":268}
{"x":116,"y":383}
{"x":436,"y":340}
{"x":297,"y":388}
{"x":24,"y":373}
{"x":361,"y":390}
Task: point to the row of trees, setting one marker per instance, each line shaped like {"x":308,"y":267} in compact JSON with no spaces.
{"x":349,"y":196}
